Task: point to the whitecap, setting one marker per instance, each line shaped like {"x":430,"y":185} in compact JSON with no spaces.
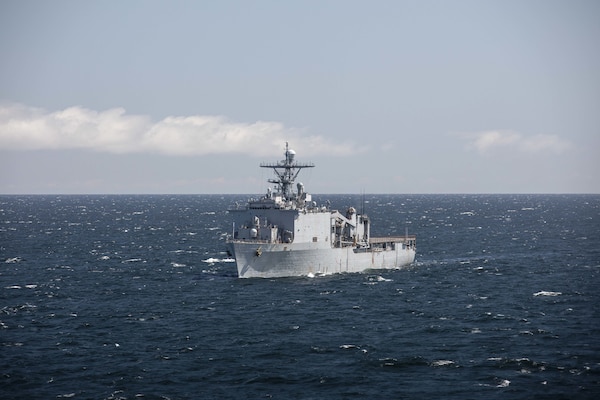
{"x":177,"y":265}
{"x":372,"y":280}
{"x":503,"y":383}
{"x":547,"y":293}
{"x":442,"y":363}
{"x":13,"y":287}
{"x":213,"y":260}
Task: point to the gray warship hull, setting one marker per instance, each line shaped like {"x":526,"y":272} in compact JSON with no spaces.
{"x":274,"y":260}
{"x":286,"y":233}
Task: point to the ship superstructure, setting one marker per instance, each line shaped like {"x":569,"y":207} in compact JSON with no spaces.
{"x":285,"y":233}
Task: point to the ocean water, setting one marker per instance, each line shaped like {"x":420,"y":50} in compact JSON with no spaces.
{"x":127,"y":297}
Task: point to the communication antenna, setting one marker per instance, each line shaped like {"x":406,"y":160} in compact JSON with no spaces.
{"x":286,"y":172}
{"x":362,"y":210}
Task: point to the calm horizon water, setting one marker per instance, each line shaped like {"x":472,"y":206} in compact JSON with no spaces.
{"x":133,"y":297}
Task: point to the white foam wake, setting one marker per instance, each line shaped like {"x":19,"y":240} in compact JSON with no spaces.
{"x":218,"y":260}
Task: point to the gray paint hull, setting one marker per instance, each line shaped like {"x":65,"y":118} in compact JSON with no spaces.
{"x":272,"y":260}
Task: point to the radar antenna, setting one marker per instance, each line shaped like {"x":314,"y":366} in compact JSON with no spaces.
{"x":286,"y":172}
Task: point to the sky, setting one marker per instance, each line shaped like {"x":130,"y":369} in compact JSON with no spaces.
{"x":178,"y":97}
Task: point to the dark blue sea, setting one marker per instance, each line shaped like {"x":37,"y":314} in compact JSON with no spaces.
{"x":129,"y":297}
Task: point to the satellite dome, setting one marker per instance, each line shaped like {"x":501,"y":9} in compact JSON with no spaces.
{"x":289,"y":154}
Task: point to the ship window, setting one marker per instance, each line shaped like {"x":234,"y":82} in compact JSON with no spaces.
{"x":314,"y":238}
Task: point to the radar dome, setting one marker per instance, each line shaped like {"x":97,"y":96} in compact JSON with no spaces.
{"x":289,"y":154}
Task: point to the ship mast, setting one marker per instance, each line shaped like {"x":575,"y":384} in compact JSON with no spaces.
{"x":286,"y":171}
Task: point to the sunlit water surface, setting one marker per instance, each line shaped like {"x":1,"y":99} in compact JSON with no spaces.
{"x":125,"y":297}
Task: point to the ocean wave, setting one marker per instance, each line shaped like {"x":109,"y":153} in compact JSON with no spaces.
{"x":218,"y":260}
{"x":130,"y":260}
{"x":442,"y":363}
{"x":177,"y":265}
{"x":547,"y":293}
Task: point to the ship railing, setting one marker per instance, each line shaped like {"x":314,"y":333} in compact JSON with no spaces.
{"x":393,"y":239}
{"x":257,"y":241}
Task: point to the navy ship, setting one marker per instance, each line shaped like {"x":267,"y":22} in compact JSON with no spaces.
{"x":285,"y":233}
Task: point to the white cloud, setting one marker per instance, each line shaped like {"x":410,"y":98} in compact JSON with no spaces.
{"x":29,"y":128}
{"x":485,"y":142}
{"x":551,"y":143}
